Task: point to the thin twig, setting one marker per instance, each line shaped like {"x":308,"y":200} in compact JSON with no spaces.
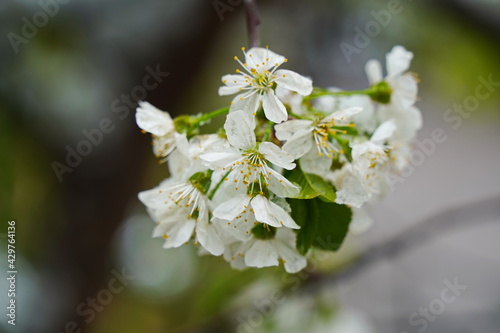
{"x":411,"y":238}
{"x":253,"y":22}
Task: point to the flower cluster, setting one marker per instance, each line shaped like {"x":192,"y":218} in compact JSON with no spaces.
{"x":292,"y":166}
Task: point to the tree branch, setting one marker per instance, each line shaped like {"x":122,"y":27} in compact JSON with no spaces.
{"x":410,"y":239}
{"x":253,"y":22}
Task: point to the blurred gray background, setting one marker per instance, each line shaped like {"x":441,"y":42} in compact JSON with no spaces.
{"x":65,"y":66}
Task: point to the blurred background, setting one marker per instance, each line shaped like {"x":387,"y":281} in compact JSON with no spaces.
{"x":72,"y":71}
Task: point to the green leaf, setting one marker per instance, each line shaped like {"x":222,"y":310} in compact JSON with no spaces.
{"x":302,"y":215}
{"x":323,"y":225}
{"x":333,"y":223}
{"x":311,"y":185}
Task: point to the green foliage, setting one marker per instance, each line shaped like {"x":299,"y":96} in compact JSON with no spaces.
{"x":324,"y":225}
{"x":311,"y":185}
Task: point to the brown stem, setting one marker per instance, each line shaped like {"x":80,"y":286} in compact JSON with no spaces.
{"x":253,"y":22}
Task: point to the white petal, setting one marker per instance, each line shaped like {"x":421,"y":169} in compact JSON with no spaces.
{"x":293,"y":99}
{"x":179,"y":165}
{"x":239,"y":128}
{"x":154,"y":197}
{"x":404,"y":91}
{"x":268,"y":212}
{"x":224,"y":90}
{"x":153,"y":120}
{"x":293,"y":261}
{"x":350,"y":190}
{"x":182,"y":144}
{"x":373,"y":70}
{"x":209,"y":239}
{"x":275,"y":155}
{"x":293,"y":81}
{"x":163,"y":145}
{"x":312,"y":162}
{"x":248,"y":104}
{"x":239,"y":229}
{"x":365,"y":120}
{"x":261,"y":254}
{"x":281,"y":186}
{"x":285,"y":130}
{"x":263,"y":59}
{"x":228,"y":210}
{"x":233,"y":84}
{"x":300,"y":143}
{"x":365,"y":154}
{"x":220,"y":160}
{"x":263,"y":212}
{"x":231,"y":255}
{"x":176,"y":233}
{"x":398,"y":61}
{"x":274,"y":109}
{"x":343,"y":116}
{"x":383,"y":132}
{"x":408,"y":122}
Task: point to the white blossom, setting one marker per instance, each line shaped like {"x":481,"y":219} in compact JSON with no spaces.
{"x":365,"y":121}
{"x":303,"y":135}
{"x":257,"y":83}
{"x":403,"y":85}
{"x":242,"y":212}
{"x":180,"y":209}
{"x":366,"y":177}
{"x":248,"y":161}
{"x":268,"y":252}
{"x":161,"y":126}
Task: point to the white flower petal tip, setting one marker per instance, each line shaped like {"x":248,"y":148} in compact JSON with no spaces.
{"x":384,"y":131}
{"x":152,"y":120}
{"x":398,"y":61}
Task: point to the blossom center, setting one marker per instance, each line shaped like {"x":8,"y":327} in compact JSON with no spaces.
{"x":186,"y":196}
{"x":252,"y":171}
